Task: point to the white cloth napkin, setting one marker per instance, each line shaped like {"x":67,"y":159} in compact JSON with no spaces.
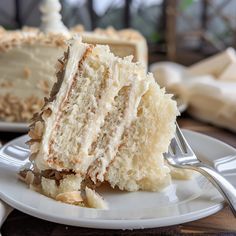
{"x":213,"y":101}
{"x":5,"y":210}
{"x":211,"y":96}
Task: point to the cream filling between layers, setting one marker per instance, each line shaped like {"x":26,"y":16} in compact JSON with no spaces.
{"x":75,"y":55}
{"x":138,"y":89}
{"x":117,"y":81}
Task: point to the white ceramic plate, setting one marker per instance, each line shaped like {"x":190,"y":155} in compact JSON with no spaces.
{"x":13,"y":127}
{"x":181,"y":202}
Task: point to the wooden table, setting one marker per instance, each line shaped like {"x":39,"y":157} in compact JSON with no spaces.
{"x":20,"y":224}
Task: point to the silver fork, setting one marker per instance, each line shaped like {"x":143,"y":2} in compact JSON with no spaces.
{"x":181,"y":155}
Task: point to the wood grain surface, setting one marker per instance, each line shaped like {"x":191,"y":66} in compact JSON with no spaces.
{"x":223,"y":222}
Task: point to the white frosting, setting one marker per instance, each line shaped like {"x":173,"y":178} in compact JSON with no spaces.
{"x":51,"y":17}
{"x":76,"y":52}
{"x":138,"y":88}
{"x":38,"y":60}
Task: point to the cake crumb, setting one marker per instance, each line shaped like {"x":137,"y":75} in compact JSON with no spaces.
{"x":26,"y":72}
{"x":94,"y":200}
{"x":6,"y":84}
{"x":44,"y":86}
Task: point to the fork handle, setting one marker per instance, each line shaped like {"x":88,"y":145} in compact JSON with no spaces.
{"x":221,"y":183}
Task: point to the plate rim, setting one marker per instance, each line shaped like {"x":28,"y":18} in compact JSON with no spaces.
{"x":127,"y":224}
{"x":16,"y":127}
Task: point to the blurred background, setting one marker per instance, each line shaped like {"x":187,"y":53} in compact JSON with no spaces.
{"x":184,"y":31}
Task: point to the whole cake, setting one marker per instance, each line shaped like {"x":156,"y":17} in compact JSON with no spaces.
{"x":106,"y":120}
{"x":27,"y":61}
{"x":28,"y":56}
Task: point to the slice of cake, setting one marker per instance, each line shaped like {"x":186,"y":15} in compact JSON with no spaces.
{"x":106,"y":121}
{"x":27,"y":61}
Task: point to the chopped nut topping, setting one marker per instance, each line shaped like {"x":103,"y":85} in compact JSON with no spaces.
{"x":26,"y":72}
{"x":13,"y":39}
{"x":78,"y":28}
{"x":46,"y":113}
{"x":32,"y":156}
{"x":34,"y":147}
{"x":14,"y":109}
{"x":73,"y":197}
{"x":29,"y":178}
{"x":44,"y":86}
{"x":6,"y":84}
{"x":37,"y":131}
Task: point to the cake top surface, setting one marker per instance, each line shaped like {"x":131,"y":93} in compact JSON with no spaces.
{"x":32,"y":35}
{"x":29,"y":36}
{"x":110,"y":33}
